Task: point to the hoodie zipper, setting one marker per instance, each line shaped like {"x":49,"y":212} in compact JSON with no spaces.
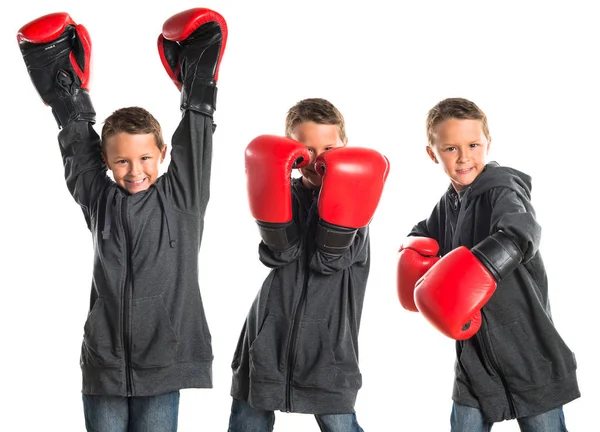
{"x":291,"y":355}
{"x":127,"y":292}
{"x":490,"y":356}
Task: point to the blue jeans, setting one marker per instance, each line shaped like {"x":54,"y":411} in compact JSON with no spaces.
{"x":468,"y":419}
{"x":244,"y":418}
{"x":131,"y":414}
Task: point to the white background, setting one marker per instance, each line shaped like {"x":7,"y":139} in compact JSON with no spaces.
{"x":532,"y":67}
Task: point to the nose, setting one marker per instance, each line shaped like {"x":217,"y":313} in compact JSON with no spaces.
{"x":135,"y":168}
{"x":463,"y":155}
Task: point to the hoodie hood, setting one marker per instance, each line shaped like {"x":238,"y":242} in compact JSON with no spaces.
{"x":494,"y":176}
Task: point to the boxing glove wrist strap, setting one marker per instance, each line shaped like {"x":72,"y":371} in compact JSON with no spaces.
{"x":277,"y":236}
{"x":200,"y":97}
{"x":334,"y":239}
{"x":499,"y":254}
{"x":74,"y":107}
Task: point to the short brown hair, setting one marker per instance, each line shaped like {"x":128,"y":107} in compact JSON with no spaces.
{"x":454,"y":108}
{"x":132,"y":120}
{"x":315,"y":110}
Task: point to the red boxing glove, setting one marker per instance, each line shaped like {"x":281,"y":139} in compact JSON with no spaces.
{"x":191,"y":48}
{"x":269,"y":163}
{"x":451,"y":293}
{"x":353,"y":180}
{"x":415,"y":257}
{"x":57,"y":53}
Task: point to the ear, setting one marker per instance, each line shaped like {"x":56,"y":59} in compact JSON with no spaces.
{"x":432,"y":155}
{"x":106,"y":161}
{"x":163,"y":152}
{"x":488,"y":146}
{"x":345,"y":142}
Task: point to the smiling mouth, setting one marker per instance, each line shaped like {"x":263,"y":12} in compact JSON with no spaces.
{"x":137,"y":182}
{"x":465,"y":171}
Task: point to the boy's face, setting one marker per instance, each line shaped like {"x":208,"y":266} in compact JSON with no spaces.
{"x":317,"y":138}
{"x":461,"y":147}
{"x":133,"y":160}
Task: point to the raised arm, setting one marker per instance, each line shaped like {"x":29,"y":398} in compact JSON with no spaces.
{"x":57,"y":53}
{"x":191,"y":47}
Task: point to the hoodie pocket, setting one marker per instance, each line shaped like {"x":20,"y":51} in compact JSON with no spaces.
{"x":153,"y":339}
{"x":345,"y":354}
{"x":101,"y":346}
{"x":235,"y":363}
{"x":314,"y":365}
{"x":265,"y":354}
{"x":474,"y":368}
{"x":523,"y":366}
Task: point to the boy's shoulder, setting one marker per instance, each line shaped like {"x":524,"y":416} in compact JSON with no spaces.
{"x":504,"y":170}
{"x":498,"y":176}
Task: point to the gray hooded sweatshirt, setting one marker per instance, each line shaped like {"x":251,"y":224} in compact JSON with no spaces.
{"x":517,"y":364}
{"x":298,"y":349}
{"x":146,"y":331}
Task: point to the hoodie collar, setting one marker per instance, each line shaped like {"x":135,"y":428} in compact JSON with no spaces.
{"x":164,"y":204}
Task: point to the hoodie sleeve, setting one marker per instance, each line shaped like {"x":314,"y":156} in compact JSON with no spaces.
{"x":187,"y":180}
{"x":420,"y":230}
{"x":85,"y":170}
{"x":328,"y":263}
{"x":430,"y":227}
{"x":274,"y":259}
{"x":513,"y":214}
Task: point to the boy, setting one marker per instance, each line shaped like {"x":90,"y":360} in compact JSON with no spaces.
{"x":489,"y":289}
{"x":298,"y":349}
{"x":146,"y":336}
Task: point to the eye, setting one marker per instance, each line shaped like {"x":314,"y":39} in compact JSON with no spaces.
{"x":122,"y":161}
{"x":328,"y":148}
{"x":473,"y":145}
{"x":146,"y":158}
{"x":449,"y":149}
{"x":311,"y":150}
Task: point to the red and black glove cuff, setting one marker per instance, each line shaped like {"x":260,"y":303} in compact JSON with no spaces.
{"x":278,"y":236}
{"x":499,"y":254}
{"x":334,"y":239}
